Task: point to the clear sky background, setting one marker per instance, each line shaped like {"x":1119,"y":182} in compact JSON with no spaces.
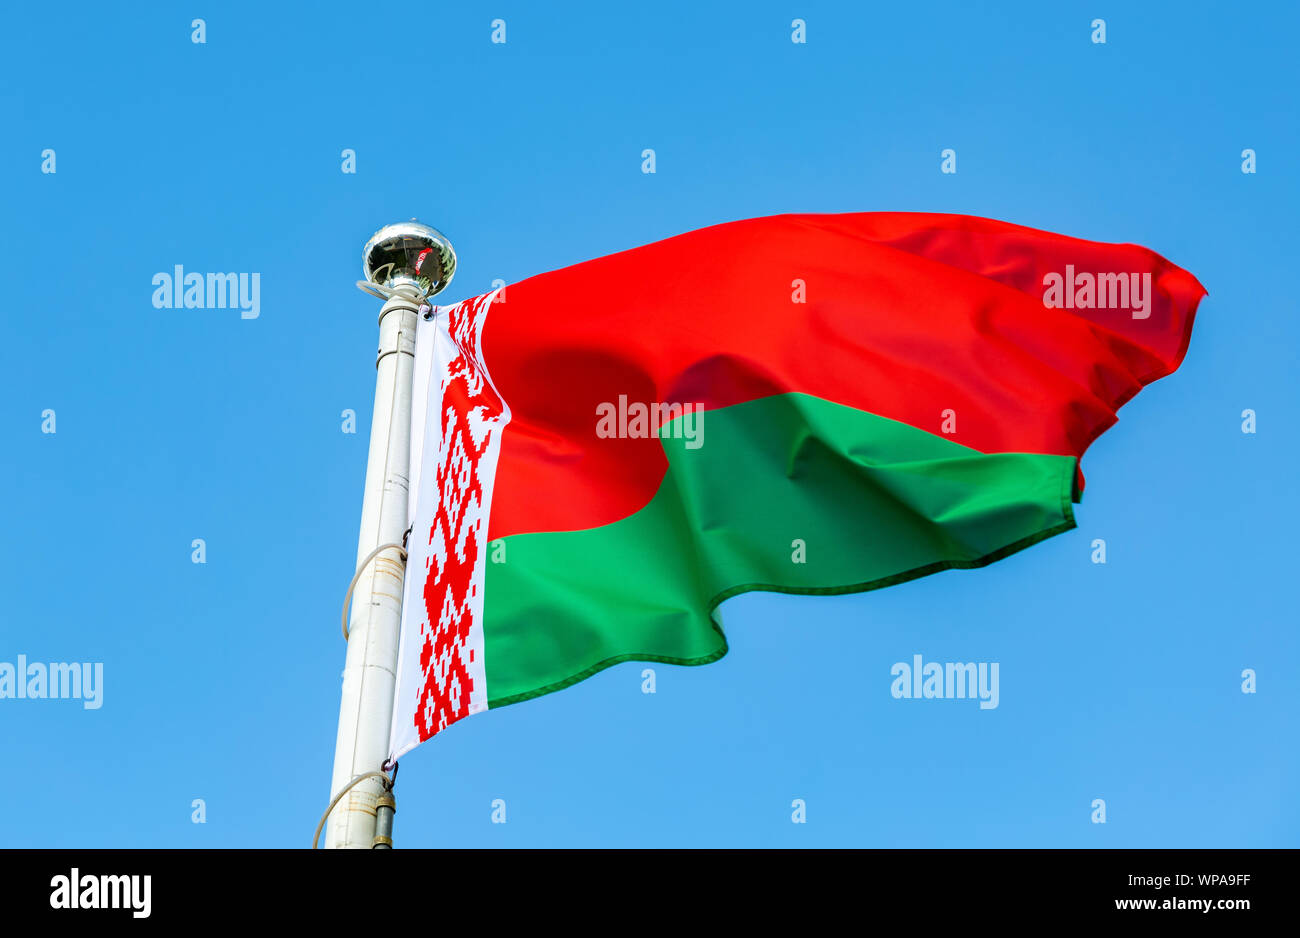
{"x":1120,"y":682}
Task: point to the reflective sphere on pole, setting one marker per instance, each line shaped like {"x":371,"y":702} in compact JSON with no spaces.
{"x":409,"y":259}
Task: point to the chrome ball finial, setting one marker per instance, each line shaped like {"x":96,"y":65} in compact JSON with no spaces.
{"x":408,"y":259}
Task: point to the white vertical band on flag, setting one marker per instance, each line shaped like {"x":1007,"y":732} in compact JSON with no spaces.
{"x":457,"y":419}
{"x":421,"y":377}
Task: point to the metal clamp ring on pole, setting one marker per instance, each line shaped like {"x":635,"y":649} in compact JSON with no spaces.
{"x":347,"y":599}
{"x":384,"y":780}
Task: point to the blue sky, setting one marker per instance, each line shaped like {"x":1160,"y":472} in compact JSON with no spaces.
{"x":1119,"y":681}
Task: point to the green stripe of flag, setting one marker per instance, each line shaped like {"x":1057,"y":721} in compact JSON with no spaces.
{"x":872,"y":501}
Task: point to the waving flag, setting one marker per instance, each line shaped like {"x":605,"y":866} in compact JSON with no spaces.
{"x":803,"y":404}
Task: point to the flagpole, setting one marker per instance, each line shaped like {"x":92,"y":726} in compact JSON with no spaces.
{"x":404,"y":264}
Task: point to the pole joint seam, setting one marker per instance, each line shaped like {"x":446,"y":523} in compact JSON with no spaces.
{"x":347,"y":598}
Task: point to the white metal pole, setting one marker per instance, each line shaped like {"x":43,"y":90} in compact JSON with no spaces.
{"x":406,"y":264}
{"x":370,"y":671}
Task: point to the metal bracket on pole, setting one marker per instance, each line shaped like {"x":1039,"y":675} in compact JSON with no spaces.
{"x":405,"y":264}
{"x":385,"y":808}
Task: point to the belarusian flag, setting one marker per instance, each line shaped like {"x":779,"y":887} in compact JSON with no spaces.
{"x":803,"y":404}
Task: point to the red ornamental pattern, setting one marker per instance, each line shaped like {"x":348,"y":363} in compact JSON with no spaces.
{"x":470,"y":408}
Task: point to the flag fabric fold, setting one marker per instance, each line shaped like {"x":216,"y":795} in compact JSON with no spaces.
{"x":800,"y":403}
